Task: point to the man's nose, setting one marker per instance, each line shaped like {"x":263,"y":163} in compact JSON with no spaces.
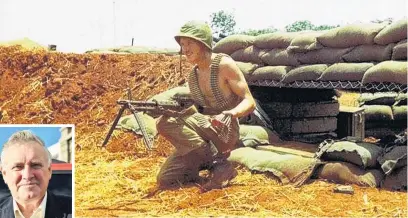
{"x":27,"y":172}
{"x":185,"y":49}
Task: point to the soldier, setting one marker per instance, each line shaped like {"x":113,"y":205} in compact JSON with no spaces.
{"x":221,"y":93}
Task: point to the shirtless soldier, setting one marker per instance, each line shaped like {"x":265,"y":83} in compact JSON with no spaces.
{"x":219,"y":89}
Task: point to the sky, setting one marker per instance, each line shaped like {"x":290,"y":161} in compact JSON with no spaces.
{"x":50,"y":135}
{"x":80,"y":25}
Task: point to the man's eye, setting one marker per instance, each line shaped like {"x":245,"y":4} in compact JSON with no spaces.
{"x":17,"y":167}
{"x":36,"y":166}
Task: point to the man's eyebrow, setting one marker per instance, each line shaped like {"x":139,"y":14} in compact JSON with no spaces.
{"x":36,"y":162}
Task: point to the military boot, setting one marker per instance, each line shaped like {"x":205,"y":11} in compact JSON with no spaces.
{"x":222,"y":173}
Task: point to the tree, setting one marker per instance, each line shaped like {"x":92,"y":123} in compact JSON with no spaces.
{"x":299,"y":26}
{"x":324,"y":27}
{"x":306,"y":25}
{"x":222,"y":22}
{"x":253,"y":32}
{"x":387,"y":20}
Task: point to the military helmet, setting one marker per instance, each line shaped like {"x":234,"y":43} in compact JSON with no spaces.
{"x":196,"y":30}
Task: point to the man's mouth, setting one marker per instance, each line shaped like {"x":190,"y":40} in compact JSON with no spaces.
{"x":29,"y":184}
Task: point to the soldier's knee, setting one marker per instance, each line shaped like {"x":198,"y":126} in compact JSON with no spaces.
{"x":166,"y":181}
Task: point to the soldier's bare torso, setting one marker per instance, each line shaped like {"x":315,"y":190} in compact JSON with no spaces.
{"x":204,"y":76}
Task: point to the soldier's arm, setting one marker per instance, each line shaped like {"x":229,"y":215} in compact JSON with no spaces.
{"x":238,"y":85}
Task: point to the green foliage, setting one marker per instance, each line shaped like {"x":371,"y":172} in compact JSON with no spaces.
{"x":222,"y":22}
{"x":324,"y":27}
{"x":306,"y":25}
{"x":253,"y":32}
{"x":299,"y":26}
{"x":387,"y":20}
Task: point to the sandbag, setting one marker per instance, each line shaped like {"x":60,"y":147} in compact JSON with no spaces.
{"x":323,"y":56}
{"x":250,"y":54}
{"x":401,"y":99}
{"x":170,"y":94}
{"x":393,"y":158}
{"x":396,"y":181}
{"x":230,"y":44}
{"x":278,"y":94}
{"x":269,"y":73}
{"x":392,"y":124}
{"x":383,"y":132}
{"x":377,"y":98}
{"x":146,"y":50}
{"x":347,"y":173}
{"x":305,"y":73}
{"x":378,"y":113}
{"x":251,"y":136}
{"x":246,"y":68}
{"x":129,"y":123}
{"x":301,"y":109}
{"x":291,"y":147}
{"x":316,"y":109}
{"x":361,"y":154}
{"x":313,"y":138}
{"x":274,"y":40}
{"x":393,"y":32}
{"x":399,"y":52}
{"x":305,"y":125}
{"x":367,"y":53}
{"x":286,"y":167}
{"x":101,"y":51}
{"x":278,"y":109}
{"x":387,"y":71}
{"x":399,"y":112}
{"x":350,"y":35}
{"x":345,"y":72}
{"x":305,"y":41}
{"x":279,"y":57}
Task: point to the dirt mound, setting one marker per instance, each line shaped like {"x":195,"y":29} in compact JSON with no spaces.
{"x":82,"y":89}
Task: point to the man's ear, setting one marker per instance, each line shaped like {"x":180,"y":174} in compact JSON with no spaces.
{"x":3,"y":172}
{"x":50,"y":170}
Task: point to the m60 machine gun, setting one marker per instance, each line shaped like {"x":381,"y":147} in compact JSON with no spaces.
{"x":170,"y":108}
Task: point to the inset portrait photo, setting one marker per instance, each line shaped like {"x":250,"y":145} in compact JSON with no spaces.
{"x":37,"y":170}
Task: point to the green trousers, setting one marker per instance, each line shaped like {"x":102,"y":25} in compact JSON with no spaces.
{"x":197,"y":144}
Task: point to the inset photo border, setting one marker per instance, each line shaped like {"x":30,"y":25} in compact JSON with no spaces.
{"x":59,"y":139}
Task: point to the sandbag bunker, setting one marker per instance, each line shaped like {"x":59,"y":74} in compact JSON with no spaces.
{"x":294,"y":78}
{"x":294,"y":75}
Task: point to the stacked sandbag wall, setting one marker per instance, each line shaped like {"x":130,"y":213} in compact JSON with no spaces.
{"x":367,"y":53}
{"x":307,"y":115}
{"x":385,"y":113}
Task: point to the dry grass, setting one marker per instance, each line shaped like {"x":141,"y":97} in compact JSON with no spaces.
{"x":115,"y":184}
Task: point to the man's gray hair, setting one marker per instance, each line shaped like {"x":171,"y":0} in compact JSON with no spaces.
{"x":24,"y":136}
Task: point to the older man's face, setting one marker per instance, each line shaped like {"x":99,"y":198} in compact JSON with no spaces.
{"x":26,"y":171}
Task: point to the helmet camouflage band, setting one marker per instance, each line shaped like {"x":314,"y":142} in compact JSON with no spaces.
{"x":196,"y":30}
